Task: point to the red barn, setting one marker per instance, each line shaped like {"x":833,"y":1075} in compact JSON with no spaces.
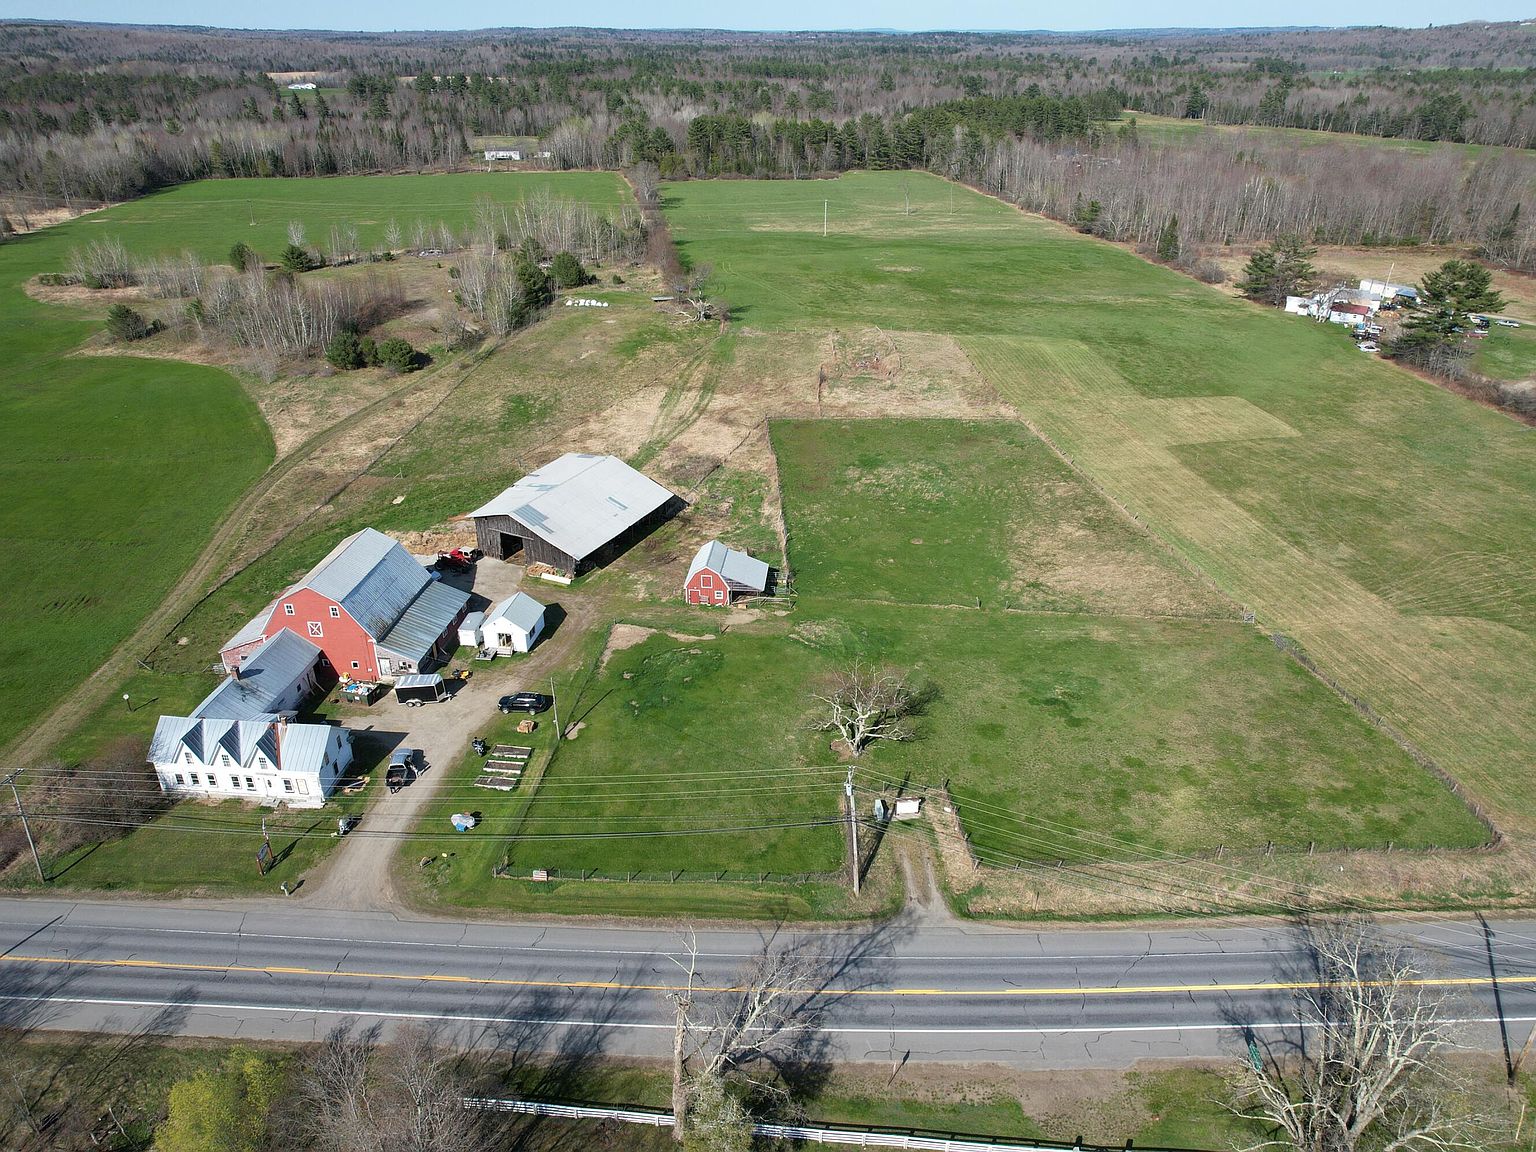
{"x":371,"y":609}
{"x":719,"y":575}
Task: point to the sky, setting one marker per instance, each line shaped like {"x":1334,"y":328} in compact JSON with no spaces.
{"x":907,"y":15}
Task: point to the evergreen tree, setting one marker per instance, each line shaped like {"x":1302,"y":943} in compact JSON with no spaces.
{"x":345,"y":351}
{"x":1168,"y":241}
{"x":296,"y":258}
{"x":398,"y":356}
{"x":567,"y":271}
{"x":123,"y":323}
{"x":1448,"y":297}
{"x":1278,"y":270}
{"x":242,"y":256}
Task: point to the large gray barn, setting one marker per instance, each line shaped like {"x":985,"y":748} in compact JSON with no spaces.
{"x":574,"y":514}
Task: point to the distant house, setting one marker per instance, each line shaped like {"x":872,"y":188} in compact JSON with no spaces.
{"x":1343,"y":312}
{"x":719,"y":575}
{"x":503,"y":154}
{"x":514,"y":625}
{"x":240,"y":742}
{"x":306,"y":86}
{"x":1382,"y":290}
{"x":271,"y":760}
{"x":370,"y":608}
{"x":574,"y":514}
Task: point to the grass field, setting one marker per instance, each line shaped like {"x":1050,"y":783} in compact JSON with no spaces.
{"x":1387,"y":525}
{"x":1180,"y":735}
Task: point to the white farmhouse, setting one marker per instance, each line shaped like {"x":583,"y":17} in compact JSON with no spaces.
{"x":241,"y":742}
{"x":273,"y":761}
{"x":514,"y":625}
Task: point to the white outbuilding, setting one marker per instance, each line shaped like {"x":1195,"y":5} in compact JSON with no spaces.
{"x":514,"y":625}
{"x":470,"y":630}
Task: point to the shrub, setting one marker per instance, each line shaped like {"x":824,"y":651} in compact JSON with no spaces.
{"x":243,"y":256}
{"x":398,"y":356}
{"x":370,"y":351}
{"x":123,"y":323}
{"x":567,"y":271}
{"x":297,"y":259}
{"x":103,"y":264}
{"x":345,"y":351}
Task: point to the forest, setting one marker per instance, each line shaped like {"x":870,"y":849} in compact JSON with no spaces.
{"x":1056,"y":122}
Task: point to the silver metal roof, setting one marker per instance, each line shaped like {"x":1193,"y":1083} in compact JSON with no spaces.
{"x":739,"y":570}
{"x":579,"y":502}
{"x":520,"y":610}
{"x":289,"y":747}
{"x":265,"y":678}
{"x":424,"y":620}
{"x":371,"y":576}
{"x":252,"y":630}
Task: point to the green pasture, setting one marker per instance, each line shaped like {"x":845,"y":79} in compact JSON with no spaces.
{"x":1057,"y":730}
{"x":946,"y":512}
{"x":1507,"y":353}
{"x":1385,"y":523}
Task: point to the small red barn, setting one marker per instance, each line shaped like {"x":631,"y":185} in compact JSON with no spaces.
{"x":719,"y":575}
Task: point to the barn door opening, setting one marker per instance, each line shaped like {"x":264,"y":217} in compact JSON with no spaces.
{"x":511,"y":546}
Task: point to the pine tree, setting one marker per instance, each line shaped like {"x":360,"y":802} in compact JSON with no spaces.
{"x":1168,"y":241}
{"x":1448,"y":297}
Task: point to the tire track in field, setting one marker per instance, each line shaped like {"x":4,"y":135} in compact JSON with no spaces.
{"x":1438,"y":679}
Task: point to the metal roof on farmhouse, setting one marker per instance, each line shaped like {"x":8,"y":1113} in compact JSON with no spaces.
{"x":287,"y":747}
{"x":424,"y":620}
{"x":742,"y":573}
{"x":265,"y":677}
{"x":579,"y":502}
{"x":520,"y":610}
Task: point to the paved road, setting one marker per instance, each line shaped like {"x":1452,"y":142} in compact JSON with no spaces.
{"x":1056,"y":999}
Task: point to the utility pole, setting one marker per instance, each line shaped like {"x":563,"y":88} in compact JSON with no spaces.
{"x":824,"y":218}
{"x":555,"y":703}
{"x":25,"y":827}
{"x":853,"y":828}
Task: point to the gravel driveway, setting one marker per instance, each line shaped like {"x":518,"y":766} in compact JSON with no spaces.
{"x":357,"y":877}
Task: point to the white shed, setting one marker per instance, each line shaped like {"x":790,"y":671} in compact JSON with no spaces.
{"x":514,"y":625}
{"x":469,"y":630}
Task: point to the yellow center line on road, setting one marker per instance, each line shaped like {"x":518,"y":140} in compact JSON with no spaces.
{"x":616,"y":986}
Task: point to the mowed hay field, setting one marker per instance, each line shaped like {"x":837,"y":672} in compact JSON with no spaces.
{"x":1386,"y":525}
{"x":119,"y":467}
{"x":1055,"y":728}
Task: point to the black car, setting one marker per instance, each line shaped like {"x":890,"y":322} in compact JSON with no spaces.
{"x":525,"y":702}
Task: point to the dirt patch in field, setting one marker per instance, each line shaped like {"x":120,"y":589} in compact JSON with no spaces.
{"x":624,"y":636}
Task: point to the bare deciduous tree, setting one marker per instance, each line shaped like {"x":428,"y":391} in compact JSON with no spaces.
{"x":863,"y":704}
{"x":1369,"y":1068}
{"x":766,"y":1010}
{"x":296,"y":233}
{"x":646,"y":179}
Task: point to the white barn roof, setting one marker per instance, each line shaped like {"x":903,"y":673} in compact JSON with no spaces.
{"x":520,"y":610}
{"x":579,"y":502}
{"x":742,"y":572}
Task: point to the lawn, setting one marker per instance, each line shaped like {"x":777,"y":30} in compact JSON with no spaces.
{"x":1387,"y":525}
{"x":642,"y":767}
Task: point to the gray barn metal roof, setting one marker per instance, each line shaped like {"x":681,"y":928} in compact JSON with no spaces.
{"x":579,"y":502}
{"x":520,"y":610}
{"x":741,"y":572}
{"x":424,"y":620}
{"x":371,"y":576}
{"x":265,"y":678}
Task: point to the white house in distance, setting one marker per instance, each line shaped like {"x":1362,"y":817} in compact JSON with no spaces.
{"x":503,"y":154}
{"x":719,"y":575}
{"x":303,"y":86}
{"x":240,"y":741}
{"x":514,"y":625}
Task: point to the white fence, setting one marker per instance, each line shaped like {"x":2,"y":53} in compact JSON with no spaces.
{"x":847,"y":1137}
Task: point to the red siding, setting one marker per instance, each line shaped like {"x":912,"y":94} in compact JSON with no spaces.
{"x":703,"y":587}
{"x":341,"y":638}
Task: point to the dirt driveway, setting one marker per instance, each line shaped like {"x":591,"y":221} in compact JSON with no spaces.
{"x":357,"y":877}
